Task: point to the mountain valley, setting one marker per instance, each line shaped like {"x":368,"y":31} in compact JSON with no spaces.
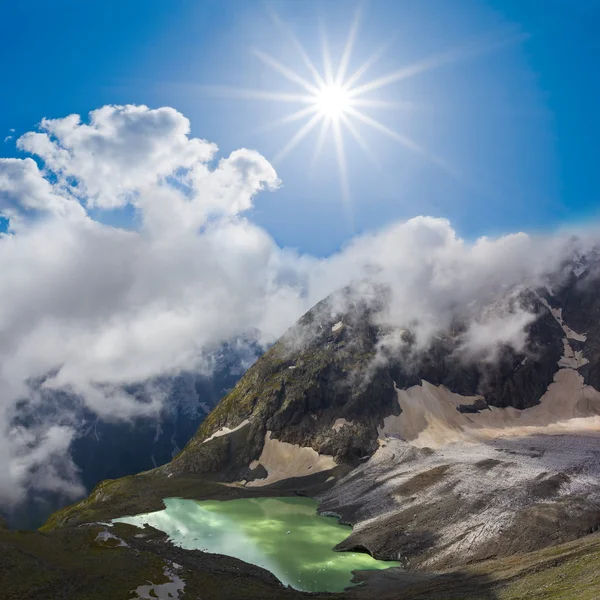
{"x":478,"y":474}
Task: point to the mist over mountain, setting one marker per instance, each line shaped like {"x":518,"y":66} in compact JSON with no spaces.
{"x":104,"y":316}
{"x":299,"y":300}
{"x":100,"y":448}
{"x":438,"y":454}
{"x":473,"y":467}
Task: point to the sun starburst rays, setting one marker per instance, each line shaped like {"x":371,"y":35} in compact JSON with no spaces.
{"x":285,"y":71}
{"x":336,"y":98}
{"x":325,"y":125}
{"x":300,"y":135}
{"x":341,"y":74}
{"x":332,"y":102}
{"x":341,"y":161}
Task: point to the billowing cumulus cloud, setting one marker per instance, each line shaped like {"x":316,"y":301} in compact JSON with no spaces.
{"x":91,"y":309}
{"x":433,"y":276}
{"x":122,"y":151}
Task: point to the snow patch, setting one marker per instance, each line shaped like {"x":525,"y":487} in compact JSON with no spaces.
{"x":522,"y":363}
{"x":162,"y":591}
{"x":283,"y":460}
{"x":106,"y":535}
{"x":430,"y":418}
{"x":339,"y":423}
{"x":226,"y":431}
{"x":571,"y":359}
{"x":557,"y":314}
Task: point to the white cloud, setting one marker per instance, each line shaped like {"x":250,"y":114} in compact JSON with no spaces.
{"x":434,"y":276}
{"x":24,"y":190}
{"x":40,"y":456}
{"x":95,"y":308}
{"x":122,"y":150}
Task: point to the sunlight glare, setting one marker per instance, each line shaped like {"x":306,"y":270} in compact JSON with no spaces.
{"x":335,"y":99}
{"x":332,"y":101}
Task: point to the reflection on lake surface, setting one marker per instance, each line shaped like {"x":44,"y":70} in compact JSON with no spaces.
{"x":284,"y":535}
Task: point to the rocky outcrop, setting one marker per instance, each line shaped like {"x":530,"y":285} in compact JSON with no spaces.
{"x":329,"y":368}
{"x":438,"y":458}
{"x":451,"y":457}
{"x":320,"y":371}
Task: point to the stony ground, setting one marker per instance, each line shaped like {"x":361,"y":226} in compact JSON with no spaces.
{"x":463,"y":502}
{"x":493,"y":500}
{"x":93,"y":561}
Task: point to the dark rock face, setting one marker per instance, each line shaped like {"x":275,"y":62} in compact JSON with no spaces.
{"x":579,"y":300}
{"x":317,"y":373}
{"x":328,"y":367}
{"x":328,"y":385}
{"x":522,"y":385}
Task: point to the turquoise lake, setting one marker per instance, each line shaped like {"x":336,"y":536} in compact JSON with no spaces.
{"x":284,"y":535}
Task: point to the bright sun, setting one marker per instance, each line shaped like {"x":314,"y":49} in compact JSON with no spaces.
{"x":332,"y":101}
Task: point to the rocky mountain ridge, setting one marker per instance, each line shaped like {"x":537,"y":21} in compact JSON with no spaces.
{"x":448,"y":461}
{"x":323,"y":397}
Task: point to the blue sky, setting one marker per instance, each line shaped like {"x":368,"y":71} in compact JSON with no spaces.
{"x":507,"y":141}
{"x":519,"y":124}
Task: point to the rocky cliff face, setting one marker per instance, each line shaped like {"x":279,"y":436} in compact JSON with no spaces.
{"x":314,"y":376}
{"x":439,"y":456}
{"x":453,"y":456}
{"x":329,"y":383}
